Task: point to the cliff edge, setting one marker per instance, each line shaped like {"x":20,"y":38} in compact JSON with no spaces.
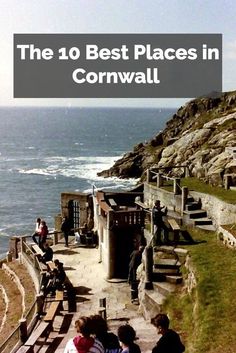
{"x":197,"y":135}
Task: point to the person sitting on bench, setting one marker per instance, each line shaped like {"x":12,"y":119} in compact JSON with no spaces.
{"x":56,"y":282}
{"x":48,"y":253}
{"x":159,"y":225}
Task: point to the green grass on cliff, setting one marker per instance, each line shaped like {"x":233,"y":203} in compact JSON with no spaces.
{"x":195,"y":184}
{"x":206,"y":317}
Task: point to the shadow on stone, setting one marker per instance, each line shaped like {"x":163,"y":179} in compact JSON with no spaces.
{"x":81,"y":290}
{"x":66,"y":323}
{"x":65,"y":252}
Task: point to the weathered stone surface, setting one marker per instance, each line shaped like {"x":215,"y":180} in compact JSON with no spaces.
{"x":197,"y":136}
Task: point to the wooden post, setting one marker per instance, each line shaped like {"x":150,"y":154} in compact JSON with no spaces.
{"x":23,"y":330}
{"x":159,"y":180}
{"x":55,"y":238}
{"x":39,"y":303}
{"x":102,"y":311}
{"x":184,"y":199}
{"x":177,"y":188}
{"x":102,"y":303}
{"x":148,"y":267}
{"x":227,"y":181}
{"x":148,"y":175}
{"x":22,"y":244}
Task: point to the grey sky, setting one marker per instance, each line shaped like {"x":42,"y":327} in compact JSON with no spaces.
{"x":114,"y":16}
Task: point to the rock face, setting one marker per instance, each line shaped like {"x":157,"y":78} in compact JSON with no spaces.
{"x":197,"y":136}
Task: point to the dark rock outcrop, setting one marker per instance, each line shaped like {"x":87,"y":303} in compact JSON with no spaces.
{"x":197,"y":135}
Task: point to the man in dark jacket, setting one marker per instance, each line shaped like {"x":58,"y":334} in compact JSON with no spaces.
{"x":170,"y":341}
{"x":65,"y":228}
{"x":135,"y":261}
{"x":158,"y":223}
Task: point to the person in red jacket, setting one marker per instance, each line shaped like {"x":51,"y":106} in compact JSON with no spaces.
{"x":43,"y":232}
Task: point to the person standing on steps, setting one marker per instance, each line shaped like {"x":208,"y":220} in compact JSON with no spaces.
{"x":170,"y":341}
{"x":65,"y":228}
{"x":135,"y":261}
{"x":158,"y":223}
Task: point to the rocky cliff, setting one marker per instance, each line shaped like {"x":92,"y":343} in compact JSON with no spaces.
{"x":197,"y":135}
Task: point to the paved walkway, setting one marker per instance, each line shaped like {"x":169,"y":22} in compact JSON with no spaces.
{"x":88,"y":277}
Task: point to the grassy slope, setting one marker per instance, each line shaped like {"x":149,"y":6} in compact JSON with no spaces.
{"x":206,"y":318}
{"x":198,"y":185}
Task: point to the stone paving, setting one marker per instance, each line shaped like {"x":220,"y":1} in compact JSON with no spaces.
{"x":88,"y":277}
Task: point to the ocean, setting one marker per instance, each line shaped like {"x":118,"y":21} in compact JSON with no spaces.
{"x":46,"y":151}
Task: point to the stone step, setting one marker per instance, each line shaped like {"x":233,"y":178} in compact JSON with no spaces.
{"x":193,"y":206}
{"x":209,"y":227}
{"x":202,"y":221}
{"x":165,"y":288}
{"x":196,"y":214}
{"x":167,"y":264}
{"x":174,"y":279}
{"x":159,"y":275}
{"x":233,"y":188}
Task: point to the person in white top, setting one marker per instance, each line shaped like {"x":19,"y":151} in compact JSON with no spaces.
{"x":37,"y":229}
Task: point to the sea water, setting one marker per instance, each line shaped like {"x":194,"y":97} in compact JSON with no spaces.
{"x":46,"y":151}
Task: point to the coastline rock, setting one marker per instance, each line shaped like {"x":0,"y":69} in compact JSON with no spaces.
{"x":197,"y":135}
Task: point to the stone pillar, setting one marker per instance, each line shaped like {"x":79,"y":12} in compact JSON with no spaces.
{"x":177,"y":188}
{"x":184,"y":199}
{"x":23,"y":330}
{"x":111,"y":246}
{"x":148,"y":267}
{"x":159,"y":180}
{"x":14,"y":246}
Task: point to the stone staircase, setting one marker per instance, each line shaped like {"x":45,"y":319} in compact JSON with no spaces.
{"x":196,"y":216}
{"x":167,"y":277}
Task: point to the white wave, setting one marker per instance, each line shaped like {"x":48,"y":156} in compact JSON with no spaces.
{"x":73,"y":167}
{"x":34,"y":171}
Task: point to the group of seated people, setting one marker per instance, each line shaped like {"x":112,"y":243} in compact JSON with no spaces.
{"x":53,"y":279}
{"x":40,"y":233}
{"x":93,"y":337}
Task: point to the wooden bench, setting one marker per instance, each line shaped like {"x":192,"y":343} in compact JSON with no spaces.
{"x":175,"y":227}
{"x":37,"y":250}
{"x":59,"y":295}
{"x":25,"y":349}
{"x":38,"y":332}
{"x":51,"y":313}
{"x":51,"y":265}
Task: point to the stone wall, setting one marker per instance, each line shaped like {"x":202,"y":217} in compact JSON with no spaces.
{"x":167,"y":198}
{"x":219,"y":211}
